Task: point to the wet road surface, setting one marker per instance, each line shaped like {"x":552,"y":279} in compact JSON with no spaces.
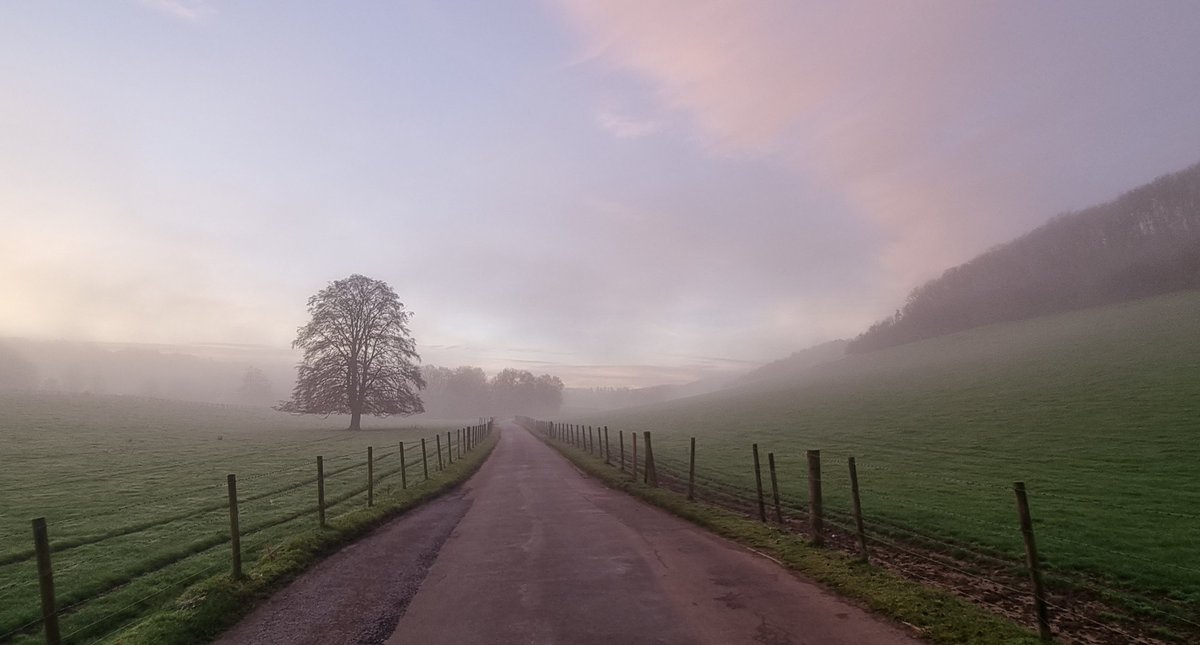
{"x":547,"y":555}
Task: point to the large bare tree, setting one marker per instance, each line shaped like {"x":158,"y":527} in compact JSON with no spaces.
{"x":359,"y":357}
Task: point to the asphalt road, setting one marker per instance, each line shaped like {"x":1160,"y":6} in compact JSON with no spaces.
{"x":547,"y":555}
{"x":357,"y":594}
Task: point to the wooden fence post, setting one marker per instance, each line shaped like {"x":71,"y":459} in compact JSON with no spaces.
{"x":774,"y":487}
{"x":858,"y":519}
{"x":650,"y":468}
{"x":621,"y":441}
{"x":692,"y":471}
{"x":370,"y":476}
{"x":1031,"y":558}
{"x":762,"y":507}
{"x":403,"y":469}
{"x":235,"y":536}
{"x":41,"y":544}
{"x":449,"y":449}
{"x":607,"y":448}
{"x":424,"y":459}
{"x":815,"y":511}
{"x":321,"y":491}
{"x":633,"y":466}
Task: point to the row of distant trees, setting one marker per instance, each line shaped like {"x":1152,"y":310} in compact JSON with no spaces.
{"x":468,"y":392}
{"x":1145,"y":242}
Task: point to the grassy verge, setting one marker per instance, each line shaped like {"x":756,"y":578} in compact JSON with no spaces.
{"x":206,"y":609}
{"x":937,"y":615}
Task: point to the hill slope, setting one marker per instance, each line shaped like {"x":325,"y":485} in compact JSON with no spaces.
{"x":1144,"y":243}
{"x":1095,"y":409}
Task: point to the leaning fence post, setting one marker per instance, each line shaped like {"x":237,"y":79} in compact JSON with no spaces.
{"x":424,"y":459}
{"x":370,"y":476}
{"x":403,"y":469}
{"x":774,"y":487}
{"x":651,"y":469}
{"x":762,"y":508}
{"x":858,"y":519}
{"x":235,"y":536}
{"x":621,"y":441}
{"x":607,"y":447}
{"x":41,"y":544}
{"x":321,"y":491}
{"x":814,"y":497}
{"x":692,"y":471}
{"x":1031,"y":558}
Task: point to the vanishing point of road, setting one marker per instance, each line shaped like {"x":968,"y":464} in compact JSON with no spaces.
{"x":532,"y":551}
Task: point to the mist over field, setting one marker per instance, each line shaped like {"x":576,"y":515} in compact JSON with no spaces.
{"x":617,"y":194}
{"x":473,"y":285}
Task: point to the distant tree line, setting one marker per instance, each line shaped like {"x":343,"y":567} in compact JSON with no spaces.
{"x":1146,"y":242}
{"x":468,"y":392}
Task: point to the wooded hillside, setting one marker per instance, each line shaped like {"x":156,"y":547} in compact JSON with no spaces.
{"x":1143,"y":243}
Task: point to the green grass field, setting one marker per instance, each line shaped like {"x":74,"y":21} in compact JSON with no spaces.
{"x":1097,"y":411}
{"x":134,"y":495}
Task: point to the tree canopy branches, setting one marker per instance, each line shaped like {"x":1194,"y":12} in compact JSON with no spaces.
{"x":359,"y":356}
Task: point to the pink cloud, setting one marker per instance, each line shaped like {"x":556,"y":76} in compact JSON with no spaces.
{"x":940,"y":123}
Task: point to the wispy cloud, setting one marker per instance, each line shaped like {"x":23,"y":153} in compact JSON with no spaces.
{"x":946,"y":129}
{"x":623,"y":126}
{"x":189,"y":10}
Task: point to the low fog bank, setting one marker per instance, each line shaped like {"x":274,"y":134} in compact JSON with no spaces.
{"x":160,"y":373}
{"x":257,"y":378}
{"x":586,"y":400}
{"x":91,"y":368}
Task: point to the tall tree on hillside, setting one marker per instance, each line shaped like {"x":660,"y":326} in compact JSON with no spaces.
{"x":359,"y":357}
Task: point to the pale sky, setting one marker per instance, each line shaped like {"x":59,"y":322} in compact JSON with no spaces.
{"x":618,"y":192}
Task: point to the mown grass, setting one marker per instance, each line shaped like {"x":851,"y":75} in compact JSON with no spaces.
{"x":937,"y":615}
{"x":1095,"y":410}
{"x":134,"y":494}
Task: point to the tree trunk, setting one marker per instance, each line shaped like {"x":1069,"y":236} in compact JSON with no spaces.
{"x":355,"y":420}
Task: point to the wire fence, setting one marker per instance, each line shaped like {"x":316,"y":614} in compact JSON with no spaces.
{"x":101,"y":584}
{"x":1012,"y":580}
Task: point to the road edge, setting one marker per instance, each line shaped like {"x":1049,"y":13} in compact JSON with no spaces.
{"x":934,"y":615}
{"x":205,"y":610}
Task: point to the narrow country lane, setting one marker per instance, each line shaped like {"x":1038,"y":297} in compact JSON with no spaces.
{"x":547,"y":555}
{"x":357,"y":594}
